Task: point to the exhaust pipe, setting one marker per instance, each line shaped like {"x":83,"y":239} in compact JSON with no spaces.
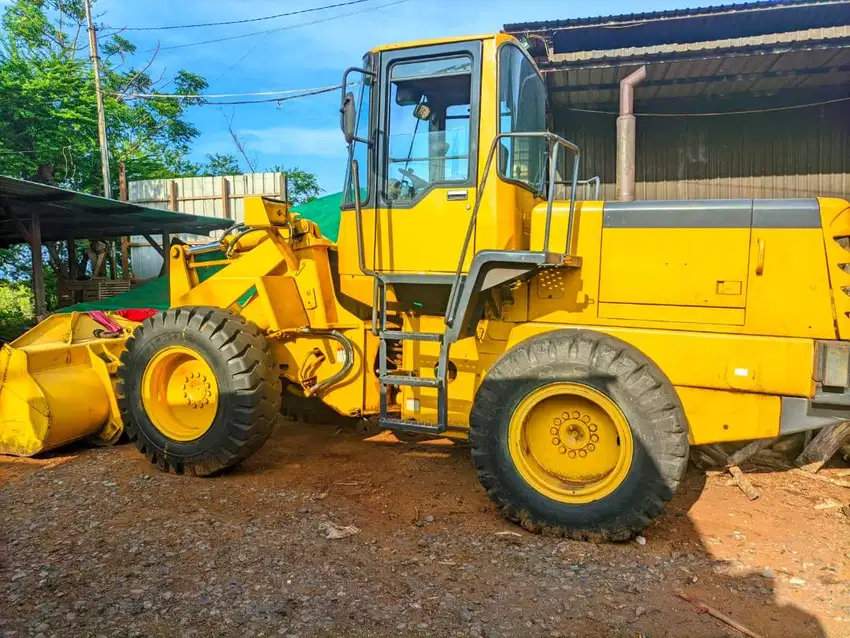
{"x":626,"y":136}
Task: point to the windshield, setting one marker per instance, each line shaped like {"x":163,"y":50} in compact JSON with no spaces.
{"x":359,"y":149}
{"x":522,"y":109}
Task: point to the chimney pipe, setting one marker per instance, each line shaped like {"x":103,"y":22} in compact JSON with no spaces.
{"x":626,"y":136}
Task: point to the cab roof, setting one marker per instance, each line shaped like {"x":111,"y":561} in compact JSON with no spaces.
{"x":500,"y":37}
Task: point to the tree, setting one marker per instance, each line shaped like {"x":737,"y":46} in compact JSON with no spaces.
{"x":48,"y":118}
{"x":302,"y":187}
{"x":220,"y":164}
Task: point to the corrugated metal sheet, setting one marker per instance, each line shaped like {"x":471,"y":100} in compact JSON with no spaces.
{"x":802,"y":153}
{"x":687,"y":25}
{"x":202,"y":196}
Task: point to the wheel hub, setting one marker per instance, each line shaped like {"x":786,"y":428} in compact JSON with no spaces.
{"x":571,"y":442}
{"x":180,"y":393}
{"x":574,"y":434}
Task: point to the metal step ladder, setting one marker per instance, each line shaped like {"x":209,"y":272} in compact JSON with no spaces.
{"x":388,"y":379}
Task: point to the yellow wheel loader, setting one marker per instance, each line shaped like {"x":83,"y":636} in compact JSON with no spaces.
{"x":580,"y":346}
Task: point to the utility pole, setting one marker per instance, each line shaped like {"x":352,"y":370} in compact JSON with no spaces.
{"x":101,"y":116}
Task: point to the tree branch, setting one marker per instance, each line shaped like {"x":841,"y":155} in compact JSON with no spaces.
{"x":240,"y":144}
{"x":123,"y":92}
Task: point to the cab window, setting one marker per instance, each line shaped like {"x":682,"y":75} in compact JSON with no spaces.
{"x":522,"y":109}
{"x":428,"y":136}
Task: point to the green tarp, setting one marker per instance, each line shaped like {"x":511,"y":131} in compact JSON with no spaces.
{"x":325,"y":211}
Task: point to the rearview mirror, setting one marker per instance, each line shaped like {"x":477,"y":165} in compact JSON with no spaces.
{"x":348,"y":118}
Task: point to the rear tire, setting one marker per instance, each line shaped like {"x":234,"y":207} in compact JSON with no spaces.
{"x":619,"y":380}
{"x":236,"y":416}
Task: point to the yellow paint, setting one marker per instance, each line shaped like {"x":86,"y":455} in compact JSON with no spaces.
{"x":709,"y":360}
{"x":180,"y":393}
{"x":570,"y":442}
{"x":672,"y":314}
{"x":673,"y":266}
{"x":715,"y":416}
{"x":45,"y":374}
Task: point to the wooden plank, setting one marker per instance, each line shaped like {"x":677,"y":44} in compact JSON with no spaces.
{"x":37,"y":266}
{"x":284,"y":193}
{"x":225,"y":198}
{"x":172,"y":195}
{"x":823,"y":447}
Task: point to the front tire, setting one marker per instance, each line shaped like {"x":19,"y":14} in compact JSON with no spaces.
{"x":198,"y":390}
{"x":580,"y":434}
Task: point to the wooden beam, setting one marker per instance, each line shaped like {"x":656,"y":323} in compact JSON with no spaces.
{"x":72,"y":259}
{"x":225,"y":198}
{"x":40,"y":301}
{"x":166,"y":254}
{"x":153,"y":243}
{"x":284,"y":194}
{"x":124,"y":195}
{"x":172,"y":195}
{"x":125,"y":258}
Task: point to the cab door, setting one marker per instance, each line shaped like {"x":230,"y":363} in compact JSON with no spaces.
{"x":427,"y":147}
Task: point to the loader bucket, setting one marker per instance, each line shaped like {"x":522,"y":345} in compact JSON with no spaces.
{"x":56,"y":384}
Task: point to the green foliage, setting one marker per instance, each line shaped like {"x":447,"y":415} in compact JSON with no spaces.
{"x":220,"y":164}
{"x":15,"y":310}
{"x":48,"y":115}
{"x":302,"y":187}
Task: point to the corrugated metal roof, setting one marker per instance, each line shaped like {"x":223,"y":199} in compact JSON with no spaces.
{"x":688,"y":25}
{"x":754,"y":51}
{"x":68,"y":214}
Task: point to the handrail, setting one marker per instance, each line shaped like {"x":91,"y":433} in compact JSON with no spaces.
{"x":596,"y":181}
{"x":554,"y":142}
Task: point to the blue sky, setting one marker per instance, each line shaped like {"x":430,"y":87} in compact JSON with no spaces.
{"x":305,"y":132}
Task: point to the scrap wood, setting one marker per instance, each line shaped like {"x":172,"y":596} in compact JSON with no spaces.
{"x":823,"y":446}
{"x":749,"y":450}
{"x":743,"y":482}
{"x":711,"y":611}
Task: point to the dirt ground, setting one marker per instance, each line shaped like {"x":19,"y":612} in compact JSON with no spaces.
{"x":95,"y":542}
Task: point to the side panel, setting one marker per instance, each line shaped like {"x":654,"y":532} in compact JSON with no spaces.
{"x":715,"y":416}
{"x":714,"y":361}
{"x":676,"y":254}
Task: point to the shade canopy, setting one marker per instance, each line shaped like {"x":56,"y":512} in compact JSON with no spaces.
{"x":66,"y":214}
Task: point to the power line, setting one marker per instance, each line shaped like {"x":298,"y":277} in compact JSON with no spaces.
{"x":243,"y":21}
{"x":272,"y":100}
{"x":181,"y":96}
{"x":267,"y":32}
{"x":286,"y":28}
{"x":719,"y":113}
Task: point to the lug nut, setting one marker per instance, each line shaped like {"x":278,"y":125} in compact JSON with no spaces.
{"x":592,"y":427}
{"x":585,"y":418}
{"x":553,"y":430}
{"x":582,"y":453}
{"x":591,"y":447}
{"x":555,"y":440}
{"x":562,"y":450}
{"x":594,"y":437}
{"x":572,"y":454}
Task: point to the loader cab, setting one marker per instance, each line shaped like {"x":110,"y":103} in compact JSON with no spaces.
{"x":421,"y":121}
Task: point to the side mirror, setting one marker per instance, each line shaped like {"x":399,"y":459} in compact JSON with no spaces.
{"x":348,"y":118}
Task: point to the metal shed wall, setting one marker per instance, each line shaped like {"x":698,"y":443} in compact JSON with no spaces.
{"x":794,"y":153}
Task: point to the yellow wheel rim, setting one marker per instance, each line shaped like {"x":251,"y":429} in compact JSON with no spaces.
{"x":180,"y":393}
{"x":571,"y":442}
